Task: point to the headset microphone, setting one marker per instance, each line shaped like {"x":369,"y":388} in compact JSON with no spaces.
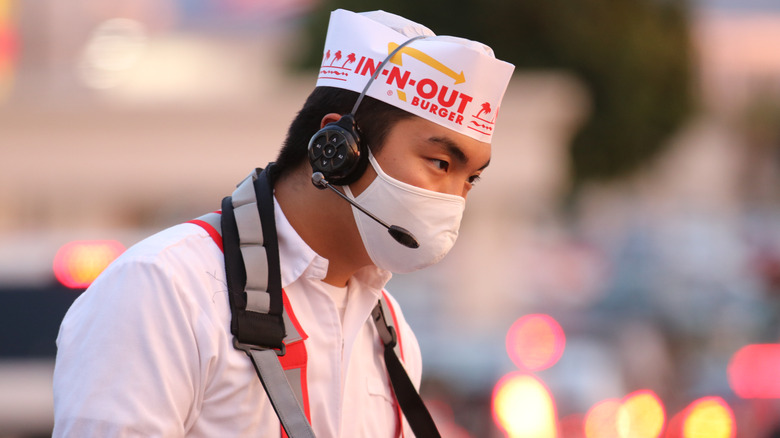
{"x":400,"y":234}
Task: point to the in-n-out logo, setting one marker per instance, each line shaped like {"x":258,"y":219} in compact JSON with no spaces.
{"x":438,"y":98}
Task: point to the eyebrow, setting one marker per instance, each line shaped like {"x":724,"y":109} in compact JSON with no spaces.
{"x":454,"y":150}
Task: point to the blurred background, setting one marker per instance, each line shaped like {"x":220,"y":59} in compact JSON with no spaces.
{"x":618,"y":269}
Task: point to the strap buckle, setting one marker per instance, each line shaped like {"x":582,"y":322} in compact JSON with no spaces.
{"x":386,"y":332}
{"x":247,"y":348}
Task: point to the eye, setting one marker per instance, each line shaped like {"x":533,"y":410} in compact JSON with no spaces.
{"x":474,"y":179}
{"x":440,"y":164}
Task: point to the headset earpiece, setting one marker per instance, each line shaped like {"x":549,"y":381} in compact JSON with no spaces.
{"x":336,"y":151}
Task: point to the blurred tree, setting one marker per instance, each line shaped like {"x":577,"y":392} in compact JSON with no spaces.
{"x":633,"y":55}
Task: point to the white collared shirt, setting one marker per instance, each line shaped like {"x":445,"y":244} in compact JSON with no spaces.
{"x":147,"y":349}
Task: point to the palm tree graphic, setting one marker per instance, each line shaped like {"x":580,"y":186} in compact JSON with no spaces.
{"x":485,"y":109}
{"x":336,"y":57}
{"x":350,"y":59}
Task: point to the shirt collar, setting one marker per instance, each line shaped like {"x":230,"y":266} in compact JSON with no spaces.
{"x":297,"y":259}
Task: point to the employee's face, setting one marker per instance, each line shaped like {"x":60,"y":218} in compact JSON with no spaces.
{"x":427,"y":155}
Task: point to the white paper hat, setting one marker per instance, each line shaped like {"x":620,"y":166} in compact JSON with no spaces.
{"x":451,"y":81}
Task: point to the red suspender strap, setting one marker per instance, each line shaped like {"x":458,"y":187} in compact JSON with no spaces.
{"x":400,"y":352}
{"x":215,"y":235}
{"x":389,"y":305}
{"x":295,"y":360}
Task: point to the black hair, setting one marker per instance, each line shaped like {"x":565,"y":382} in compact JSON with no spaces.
{"x":374,"y":119}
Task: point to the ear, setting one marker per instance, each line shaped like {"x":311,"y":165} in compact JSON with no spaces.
{"x":329,"y":118}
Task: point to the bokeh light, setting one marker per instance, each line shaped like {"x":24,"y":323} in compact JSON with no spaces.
{"x":753,"y":371}
{"x":9,"y":47}
{"x":641,"y":415}
{"x":674,"y":426}
{"x":601,"y":419}
{"x":77,"y":264}
{"x":572,"y":426}
{"x":114,"y":48}
{"x":535,"y":342}
{"x":709,"y":417}
{"x":523,"y":407}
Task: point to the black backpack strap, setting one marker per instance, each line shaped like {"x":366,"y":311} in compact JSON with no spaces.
{"x":249,"y":239}
{"x":255,"y":293}
{"x":406,"y":394}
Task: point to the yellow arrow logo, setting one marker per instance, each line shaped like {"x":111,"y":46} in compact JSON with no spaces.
{"x":425,"y":58}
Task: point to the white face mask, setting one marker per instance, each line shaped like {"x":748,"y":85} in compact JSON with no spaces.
{"x":432,"y":217}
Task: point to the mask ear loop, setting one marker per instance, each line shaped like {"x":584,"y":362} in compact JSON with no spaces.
{"x":379,"y":69}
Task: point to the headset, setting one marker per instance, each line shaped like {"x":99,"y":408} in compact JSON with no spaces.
{"x":336,"y":150}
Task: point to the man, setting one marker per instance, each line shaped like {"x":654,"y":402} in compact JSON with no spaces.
{"x":147,"y":350}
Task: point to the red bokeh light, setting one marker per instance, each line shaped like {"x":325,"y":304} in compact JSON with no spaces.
{"x":535,"y":342}
{"x":753,"y":371}
{"x":572,"y":426}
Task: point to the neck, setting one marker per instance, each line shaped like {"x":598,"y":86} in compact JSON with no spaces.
{"x":324,"y":222}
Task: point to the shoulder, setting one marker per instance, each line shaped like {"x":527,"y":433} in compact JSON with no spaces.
{"x":177,"y":254}
{"x":173,"y":277}
{"x":154,"y":317}
{"x":183,"y":258}
{"x":178,"y":267}
{"x":177,"y":246}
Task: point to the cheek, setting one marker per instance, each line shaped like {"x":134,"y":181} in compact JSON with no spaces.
{"x":412,"y":172}
{"x":363,"y":182}
{"x":402,"y":166}
{"x":402,"y":162}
